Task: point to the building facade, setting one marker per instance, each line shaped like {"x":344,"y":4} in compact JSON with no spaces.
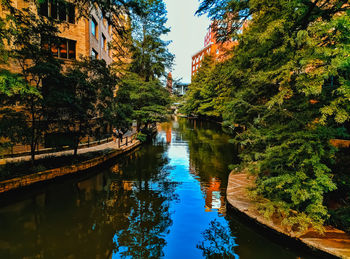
{"x":78,"y":37}
{"x":169,"y":83}
{"x":180,"y":89}
{"x":219,"y":51}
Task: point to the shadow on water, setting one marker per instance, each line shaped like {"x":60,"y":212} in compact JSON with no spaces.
{"x":166,"y":199}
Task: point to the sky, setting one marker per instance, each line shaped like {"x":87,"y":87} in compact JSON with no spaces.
{"x":187,"y":35}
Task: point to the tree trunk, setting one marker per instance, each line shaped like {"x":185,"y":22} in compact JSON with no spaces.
{"x":33,"y":137}
{"x":32,"y":153}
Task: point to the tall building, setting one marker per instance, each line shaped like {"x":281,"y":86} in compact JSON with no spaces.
{"x":79,"y":37}
{"x":169,"y":83}
{"x":211,"y":47}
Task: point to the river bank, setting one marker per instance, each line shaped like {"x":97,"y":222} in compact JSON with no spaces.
{"x":167,"y":194}
{"x":109,"y":150}
{"x":334,"y":242}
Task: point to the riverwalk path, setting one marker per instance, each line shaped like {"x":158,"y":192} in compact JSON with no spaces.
{"x":106,"y":146}
{"x":334,"y":241}
{"x":113,"y":149}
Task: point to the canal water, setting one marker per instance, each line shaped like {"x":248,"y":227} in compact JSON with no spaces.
{"x":166,"y":199}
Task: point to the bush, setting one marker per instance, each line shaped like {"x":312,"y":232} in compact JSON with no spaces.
{"x":340,"y":218}
{"x":142,"y":137}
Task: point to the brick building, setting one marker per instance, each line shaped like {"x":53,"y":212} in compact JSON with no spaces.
{"x":169,"y":83}
{"x":211,"y":47}
{"x":80,"y":37}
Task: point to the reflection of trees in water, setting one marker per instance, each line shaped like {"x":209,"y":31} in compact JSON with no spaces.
{"x":209,"y":148}
{"x":93,"y":218}
{"x":67,"y":221}
{"x":218,"y":242}
{"x":149,"y":219}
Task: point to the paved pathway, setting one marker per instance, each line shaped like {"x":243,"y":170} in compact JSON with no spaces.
{"x":109,"y":145}
{"x":334,"y":241}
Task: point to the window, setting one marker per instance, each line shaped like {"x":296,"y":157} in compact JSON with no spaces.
{"x":44,"y":9}
{"x":63,"y":48}
{"x":110,"y":29}
{"x":71,"y":49}
{"x":58,"y":10}
{"x":104,"y":42}
{"x":62,"y":11}
{"x":71,"y":12}
{"x":94,"y":54}
{"x":94,"y":27}
{"x":53,"y":9}
{"x":54,"y":50}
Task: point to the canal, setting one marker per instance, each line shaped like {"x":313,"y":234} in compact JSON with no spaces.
{"x":165,"y":199}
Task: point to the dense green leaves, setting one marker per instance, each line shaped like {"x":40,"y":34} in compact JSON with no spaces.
{"x":140,"y":95}
{"x":145,"y":102}
{"x":208,"y":92}
{"x":151,"y":56}
{"x":288,"y":85}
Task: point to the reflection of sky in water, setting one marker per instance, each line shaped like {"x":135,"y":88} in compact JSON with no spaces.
{"x":216,"y":202}
{"x":154,"y":202}
{"x":189,"y":219}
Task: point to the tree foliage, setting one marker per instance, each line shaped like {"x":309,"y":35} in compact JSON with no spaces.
{"x":43,"y":98}
{"x":208,"y":91}
{"x":145,"y":102}
{"x":150,"y":54}
{"x":288,"y":84}
{"x":87,"y":100}
{"x":26,"y":108}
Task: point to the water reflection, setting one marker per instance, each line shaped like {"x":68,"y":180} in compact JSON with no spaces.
{"x":149,"y":216}
{"x":163,"y":200}
{"x":218,"y":242}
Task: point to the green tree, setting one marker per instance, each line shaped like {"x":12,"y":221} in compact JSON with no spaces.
{"x":87,"y":100}
{"x":290,"y":89}
{"x":150,"y":54}
{"x":146,"y":102}
{"x":27,"y":35}
{"x":209,"y":91}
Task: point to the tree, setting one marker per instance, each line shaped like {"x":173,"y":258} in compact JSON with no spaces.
{"x":30,"y":37}
{"x":209,"y":91}
{"x":290,"y":90}
{"x":146,"y":102}
{"x":87,"y":99}
{"x":12,"y":89}
{"x":86,"y":92}
{"x":150,"y":55}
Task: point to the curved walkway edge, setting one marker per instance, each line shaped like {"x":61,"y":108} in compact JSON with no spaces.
{"x":334,"y":242}
{"x":23,"y":181}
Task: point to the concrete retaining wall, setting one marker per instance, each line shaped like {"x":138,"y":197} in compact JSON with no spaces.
{"x":23,"y":181}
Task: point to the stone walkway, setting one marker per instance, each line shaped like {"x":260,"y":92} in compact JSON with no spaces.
{"x":110,"y":145}
{"x":334,"y":241}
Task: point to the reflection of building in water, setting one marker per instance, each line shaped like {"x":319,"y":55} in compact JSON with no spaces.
{"x":115,"y":169}
{"x":167,"y":128}
{"x":168,"y":135}
{"x":214,"y":199}
{"x":90,"y":185}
